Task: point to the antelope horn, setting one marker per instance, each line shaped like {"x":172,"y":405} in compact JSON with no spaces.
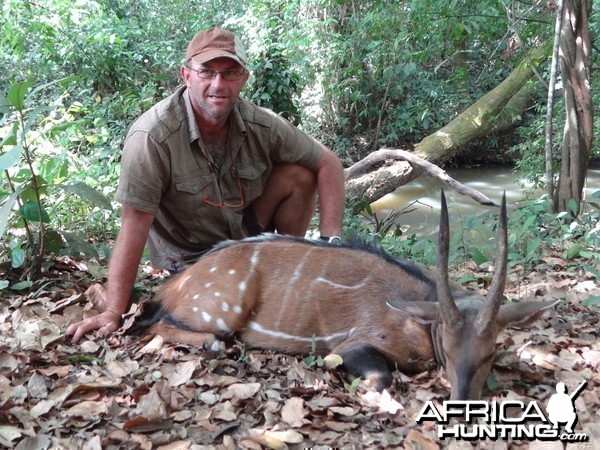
{"x":450,"y":314}
{"x":493,"y":299}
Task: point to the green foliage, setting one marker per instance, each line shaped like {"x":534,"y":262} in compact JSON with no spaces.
{"x":362,"y":224}
{"x":313,"y":359}
{"x":77,"y":74}
{"x":34,"y":171}
{"x":533,"y":233}
{"x":276,"y":85}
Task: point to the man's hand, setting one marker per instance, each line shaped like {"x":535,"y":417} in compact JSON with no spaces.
{"x":124,"y":263}
{"x":106,"y":322}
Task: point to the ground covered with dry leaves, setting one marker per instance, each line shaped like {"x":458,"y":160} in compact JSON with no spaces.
{"x":124,"y":392}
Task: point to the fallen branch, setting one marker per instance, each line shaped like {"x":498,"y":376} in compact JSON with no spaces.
{"x":419,"y":164}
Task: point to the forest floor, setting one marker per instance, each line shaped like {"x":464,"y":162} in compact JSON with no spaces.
{"x":123,"y":392}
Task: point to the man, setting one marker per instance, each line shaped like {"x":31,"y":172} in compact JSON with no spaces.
{"x":204,"y":165}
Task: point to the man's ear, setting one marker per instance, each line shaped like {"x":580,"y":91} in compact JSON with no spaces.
{"x":246,"y":76}
{"x":185,"y":74}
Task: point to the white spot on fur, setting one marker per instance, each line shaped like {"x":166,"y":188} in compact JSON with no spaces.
{"x":217,"y":294}
{"x":280,"y":335}
{"x":206,"y":316}
{"x":243,"y":286}
{"x":254,"y":258}
{"x":195,"y":309}
{"x":196,"y":297}
{"x":237,"y":309}
{"x":224,"y":306}
{"x":221,"y":325}
{"x":209,"y":284}
{"x":213,"y":269}
{"x":231,"y":272}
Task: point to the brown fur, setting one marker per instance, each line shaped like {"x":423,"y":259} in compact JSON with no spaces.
{"x":327,"y":290}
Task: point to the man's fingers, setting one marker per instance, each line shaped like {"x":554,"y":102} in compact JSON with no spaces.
{"x":82,"y":328}
{"x":102,"y":324}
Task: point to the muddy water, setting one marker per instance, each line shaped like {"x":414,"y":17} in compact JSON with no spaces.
{"x":420,"y":199}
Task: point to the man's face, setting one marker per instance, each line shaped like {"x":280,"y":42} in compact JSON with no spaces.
{"x":213,"y":99}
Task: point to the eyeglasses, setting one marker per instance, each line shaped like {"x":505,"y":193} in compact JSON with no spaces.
{"x":224,"y":202}
{"x":209,"y":74}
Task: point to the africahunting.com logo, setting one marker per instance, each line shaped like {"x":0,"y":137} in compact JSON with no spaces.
{"x":510,"y":419}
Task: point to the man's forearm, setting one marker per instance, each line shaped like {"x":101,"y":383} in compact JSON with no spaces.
{"x":126,"y":258}
{"x":121,"y":279}
{"x":331,"y":195}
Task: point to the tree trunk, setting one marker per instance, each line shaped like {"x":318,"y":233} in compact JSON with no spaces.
{"x":481,"y":117}
{"x":575,"y":62}
{"x":549,"y":154}
{"x":497,"y":110}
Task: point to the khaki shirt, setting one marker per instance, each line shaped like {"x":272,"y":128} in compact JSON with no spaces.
{"x":167,"y":171}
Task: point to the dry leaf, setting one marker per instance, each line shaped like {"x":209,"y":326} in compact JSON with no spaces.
{"x":215,"y":399}
{"x":293,"y":412}
{"x":332,"y":361}
{"x":182,"y":374}
{"x":268,"y":442}
{"x":87,"y":409}
{"x":422,"y":442}
{"x":240,"y":391}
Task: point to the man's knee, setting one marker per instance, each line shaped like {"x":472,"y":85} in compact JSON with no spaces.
{"x":295,"y":178}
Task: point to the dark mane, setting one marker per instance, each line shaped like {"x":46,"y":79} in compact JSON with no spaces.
{"x":353,"y":244}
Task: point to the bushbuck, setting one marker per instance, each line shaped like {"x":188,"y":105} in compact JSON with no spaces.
{"x":377,"y":312}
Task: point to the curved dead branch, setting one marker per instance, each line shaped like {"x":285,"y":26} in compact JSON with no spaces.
{"x":418,"y":164}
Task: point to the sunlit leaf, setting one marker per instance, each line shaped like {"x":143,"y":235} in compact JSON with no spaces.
{"x":11,"y":137}
{"x":61,"y":81}
{"x":6,"y":210}
{"x":33,"y":115}
{"x":594,"y":271}
{"x":22,"y":285}
{"x":479,"y":257}
{"x":30,"y":212}
{"x":31,"y":191}
{"x":88,"y":193}
{"x":573,"y":206}
{"x":592,"y":300}
{"x":17,"y":257}
{"x":574,"y":251}
{"x":16,"y":94}
{"x":11,"y":158}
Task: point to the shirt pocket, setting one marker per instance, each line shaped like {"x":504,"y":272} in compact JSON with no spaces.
{"x":253,"y":180}
{"x":190,"y":194}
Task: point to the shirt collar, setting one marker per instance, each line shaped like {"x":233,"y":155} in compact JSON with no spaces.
{"x":193,"y":130}
{"x":237,"y":122}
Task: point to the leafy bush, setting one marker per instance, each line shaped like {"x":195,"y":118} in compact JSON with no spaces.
{"x":39,"y":179}
{"x":533,"y":234}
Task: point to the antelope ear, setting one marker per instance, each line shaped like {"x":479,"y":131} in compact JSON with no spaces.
{"x":521,"y":314}
{"x":422,"y":312}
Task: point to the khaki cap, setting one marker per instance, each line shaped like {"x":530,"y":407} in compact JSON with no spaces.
{"x":216,"y":43}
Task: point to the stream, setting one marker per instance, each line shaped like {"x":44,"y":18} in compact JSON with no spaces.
{"x":420,"y":198}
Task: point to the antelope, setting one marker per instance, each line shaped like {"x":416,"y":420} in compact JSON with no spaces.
{"x":378,"y":313}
